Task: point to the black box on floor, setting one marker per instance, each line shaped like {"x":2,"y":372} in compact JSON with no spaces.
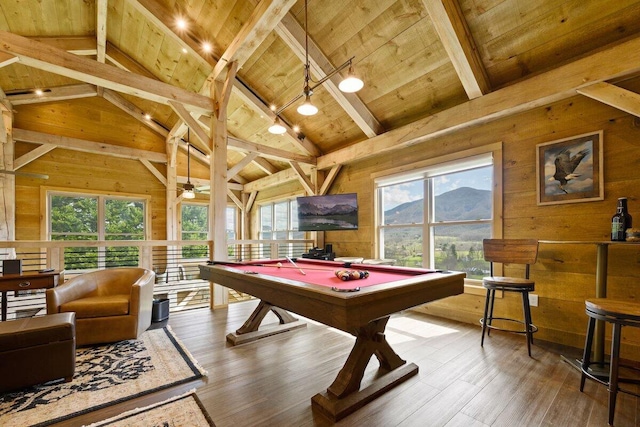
{"x":160,"y":310}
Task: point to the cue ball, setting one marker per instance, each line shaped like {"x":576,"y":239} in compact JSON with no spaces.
{"x":279,"y":265}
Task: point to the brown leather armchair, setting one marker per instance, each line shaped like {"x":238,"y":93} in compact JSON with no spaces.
{"x":110,"y":305}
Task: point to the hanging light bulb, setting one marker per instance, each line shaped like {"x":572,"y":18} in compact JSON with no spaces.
{"x":276,"y":128}
{"x":307,"y":108}
{"x":188,"y":191}
{"x":351,"y":83}
{"x":188,"y":188}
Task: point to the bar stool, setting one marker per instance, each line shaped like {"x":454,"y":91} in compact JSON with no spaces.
{"x":619,"y":314}
{"x":509,"y":251}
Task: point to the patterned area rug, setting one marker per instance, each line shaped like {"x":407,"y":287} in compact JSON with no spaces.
{"x":186,"y":410}
{"x":105,"y":375}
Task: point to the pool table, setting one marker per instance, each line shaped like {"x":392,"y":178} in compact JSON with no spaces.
{"x":360,"y":307}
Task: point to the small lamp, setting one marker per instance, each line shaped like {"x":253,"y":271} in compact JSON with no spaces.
{"x":276,"y":128}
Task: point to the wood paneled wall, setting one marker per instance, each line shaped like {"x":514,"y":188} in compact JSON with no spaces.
{"x":564,"y":274}
{"x":93,"y":119}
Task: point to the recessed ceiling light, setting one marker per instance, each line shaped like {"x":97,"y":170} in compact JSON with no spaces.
{"x":181,"y":24}
{"x":206,"y":46}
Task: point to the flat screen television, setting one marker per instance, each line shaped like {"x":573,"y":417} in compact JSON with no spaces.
{"x":330,"y":212}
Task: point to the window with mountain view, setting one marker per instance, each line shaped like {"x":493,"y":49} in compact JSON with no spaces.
{"x":438,"y":217}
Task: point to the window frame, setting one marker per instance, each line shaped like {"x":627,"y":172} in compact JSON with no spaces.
{"x":46,"y":194}
{"x":206,"y":205}
{"x":290,"y":230}
{"x":434,"y":167}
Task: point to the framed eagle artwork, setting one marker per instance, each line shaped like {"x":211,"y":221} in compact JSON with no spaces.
{"x":569,"y":170}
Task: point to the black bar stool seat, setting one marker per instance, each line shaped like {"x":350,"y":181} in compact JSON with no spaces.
{"x":619,"y":314}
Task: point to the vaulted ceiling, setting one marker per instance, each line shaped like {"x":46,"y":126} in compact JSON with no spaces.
{"x":419,"y":59}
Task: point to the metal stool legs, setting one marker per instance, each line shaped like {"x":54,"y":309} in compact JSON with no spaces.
{"x":487,"y":318}
{"x":611,"y":379}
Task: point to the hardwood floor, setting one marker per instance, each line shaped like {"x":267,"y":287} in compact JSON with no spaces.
{"x":271,"y":382}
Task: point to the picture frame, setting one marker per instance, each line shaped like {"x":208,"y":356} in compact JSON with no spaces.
{"x":569,"y":170}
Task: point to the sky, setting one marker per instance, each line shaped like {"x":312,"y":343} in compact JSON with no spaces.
{"x":402,"y":193}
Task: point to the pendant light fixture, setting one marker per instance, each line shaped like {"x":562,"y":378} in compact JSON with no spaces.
{"x":276,"y":128}
{"x":188,"y":188}
{"x":350,"y":84}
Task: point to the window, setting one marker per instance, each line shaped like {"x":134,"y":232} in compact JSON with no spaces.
{"x":96,"y":217}
{"x":279,"y":221}
{"x":195,"y":226}
{"x":437,"y":216}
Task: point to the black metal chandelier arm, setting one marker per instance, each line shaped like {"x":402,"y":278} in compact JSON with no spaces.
{"x":316,"y":85}
{"x":331,"y":74}
{"x":288,"y":104}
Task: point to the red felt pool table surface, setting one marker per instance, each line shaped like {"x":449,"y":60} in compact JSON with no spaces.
{"x":322,"y":273}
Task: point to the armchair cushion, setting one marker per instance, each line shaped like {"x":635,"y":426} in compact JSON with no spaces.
{"x":100,"y":306}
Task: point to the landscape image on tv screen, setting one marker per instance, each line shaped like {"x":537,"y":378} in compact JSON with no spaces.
{"x":331,"y":212}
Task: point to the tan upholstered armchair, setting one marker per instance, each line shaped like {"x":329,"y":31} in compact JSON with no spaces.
{"x":110,"y":305}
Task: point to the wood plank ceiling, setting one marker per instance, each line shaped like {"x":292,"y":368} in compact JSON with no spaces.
{"x":418,"y":59}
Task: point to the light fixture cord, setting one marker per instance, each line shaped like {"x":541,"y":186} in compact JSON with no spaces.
{"x":188,"y":157}
{"x":306,"y":47}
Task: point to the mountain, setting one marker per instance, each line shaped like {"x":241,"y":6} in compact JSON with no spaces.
{"x":463,"y":203}
{"x":311,"y":209}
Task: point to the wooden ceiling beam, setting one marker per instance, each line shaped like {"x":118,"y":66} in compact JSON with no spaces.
{"x":7,"y":59}
{"x":59,"y":93}
{"x":268,"y":152}
{"x":147,"y":164}
{"x":303,"y":178}
{"x":614,"y":96}
{"x":32,"y":155}
{"x":263,"y":20}
{"x":83,"y":46}
{"x":294,"y":36}
{"x":542,"y":89}
{"x":454,"y":33}
{"x":235,"y":170}
{"x":101,"y":30}
{"x":87,"y":46}
{"x":329,"y":179}
{"x":274,"y":180}
{"x":128,"y":107}
{"x":47,"y":58}
{"x":87,"y":146}
{"x":194,"y":125}
{"x":266,"y":166}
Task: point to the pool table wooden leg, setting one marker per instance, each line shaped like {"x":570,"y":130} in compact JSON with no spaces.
{"x":249,"y":330}
{"x":344,"y":395}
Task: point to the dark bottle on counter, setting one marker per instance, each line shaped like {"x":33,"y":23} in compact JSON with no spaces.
{"x":620,"y":221}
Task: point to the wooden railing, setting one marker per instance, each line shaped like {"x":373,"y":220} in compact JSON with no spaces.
{"x":174,"y":262}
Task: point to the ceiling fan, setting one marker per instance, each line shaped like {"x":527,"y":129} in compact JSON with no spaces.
{"x":26,"y":174}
